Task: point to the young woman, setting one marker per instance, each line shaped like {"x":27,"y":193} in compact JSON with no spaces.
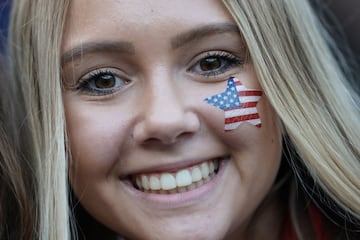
{"x":189,"y":119}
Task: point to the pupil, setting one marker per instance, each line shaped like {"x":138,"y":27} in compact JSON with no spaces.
{"x":105,"y":81}
{"x":210,"y":63}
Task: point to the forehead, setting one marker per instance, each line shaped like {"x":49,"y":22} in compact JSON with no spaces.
{"x":94,"y":19}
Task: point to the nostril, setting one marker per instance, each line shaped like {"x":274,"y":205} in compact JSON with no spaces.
{"x":156,"y":140}
{"x":152,"y":130}
{"x":167,"y":140}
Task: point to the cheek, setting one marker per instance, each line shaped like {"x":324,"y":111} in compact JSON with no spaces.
{"x":96,"y":136}
{"x":258,"y":150}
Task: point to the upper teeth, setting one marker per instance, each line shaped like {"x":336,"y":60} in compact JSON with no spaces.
{"x":182,"y":178}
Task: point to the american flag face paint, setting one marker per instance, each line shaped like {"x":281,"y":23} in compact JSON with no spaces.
{"x":239,"y":104}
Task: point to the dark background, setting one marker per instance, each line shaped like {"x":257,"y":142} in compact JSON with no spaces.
{"x":4,"y":20}
{"x":347,"y":14}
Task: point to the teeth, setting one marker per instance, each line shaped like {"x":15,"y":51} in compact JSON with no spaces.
{"x":191,"y":187}
{"x":180,"y":181}
{"x":199,"y":183}
{"x":211,"y":167}
{"x":154,"y":183}
{"x":204,"y":170}
{"x":183,"y":178}
{"x":145,"y":183}
{"x":167,"y":181}
{"x":196,"y":174}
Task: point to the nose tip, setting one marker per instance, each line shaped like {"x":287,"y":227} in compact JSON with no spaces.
{"x":166,"y":127}
{"x":165,"y":114}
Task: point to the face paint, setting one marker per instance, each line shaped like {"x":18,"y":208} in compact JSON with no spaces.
{"x":239,"y":104}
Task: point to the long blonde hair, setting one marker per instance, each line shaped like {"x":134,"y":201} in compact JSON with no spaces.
{"x":17,"y":218}
{"x":292,"y":55}
{"x":35,"y":43}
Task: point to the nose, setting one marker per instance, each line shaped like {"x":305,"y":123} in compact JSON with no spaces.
{"x":166,"y":117}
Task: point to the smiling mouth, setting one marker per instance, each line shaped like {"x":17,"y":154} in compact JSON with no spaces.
{"x":183,"y":180}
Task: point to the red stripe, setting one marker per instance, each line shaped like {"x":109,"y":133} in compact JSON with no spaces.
{"x":248,"y":104}
{"x":241,"y":118}
{"x":237,"y":83}
{"x":244,"y":93}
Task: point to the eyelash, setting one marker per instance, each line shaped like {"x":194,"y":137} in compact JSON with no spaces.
{"x":85,"y":83}
{"x":230,"y":59}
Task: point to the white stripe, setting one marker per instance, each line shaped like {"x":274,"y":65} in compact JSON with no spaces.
{"x":246,"y":99}
{"x":241,"y":88}
{"x":254,"y":121}
{"x":231,"y":126}
{"x":240,"y":112}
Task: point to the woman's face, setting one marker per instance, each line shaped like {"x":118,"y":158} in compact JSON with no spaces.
{"x":151,"y":159}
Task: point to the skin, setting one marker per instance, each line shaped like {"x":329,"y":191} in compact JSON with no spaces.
{"x":157,"y":119}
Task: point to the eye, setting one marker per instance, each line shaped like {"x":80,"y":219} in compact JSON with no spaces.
{"x":105,"y":81}
{"x":215,"y":63}
{"x":101,"y":82}
{"x":210,"y":63}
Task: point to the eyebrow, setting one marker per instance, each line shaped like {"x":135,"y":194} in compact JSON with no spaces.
{"x":128,"y":48}
{"x":201,"y":32}
{"x":93,"y":47}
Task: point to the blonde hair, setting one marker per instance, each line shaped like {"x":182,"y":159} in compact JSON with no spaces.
{"x":305,"y":84}
{"x":35,"y":44}
{"x":17,"y":218}
{"x":294,"y":64}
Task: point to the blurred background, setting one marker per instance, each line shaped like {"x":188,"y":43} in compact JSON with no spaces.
{"x":4,"y":20}
{"x":346,"y":14}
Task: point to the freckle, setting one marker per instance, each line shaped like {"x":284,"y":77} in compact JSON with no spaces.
{"x":272,"y":140}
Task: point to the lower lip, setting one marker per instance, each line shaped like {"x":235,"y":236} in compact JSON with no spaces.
{"x":166,"y":201}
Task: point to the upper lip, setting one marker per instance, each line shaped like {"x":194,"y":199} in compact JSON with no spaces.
{"x":171,"y":167}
